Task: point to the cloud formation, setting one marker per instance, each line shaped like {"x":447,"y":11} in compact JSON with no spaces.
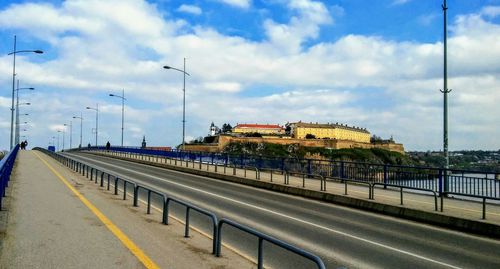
{"x":191,"y":9}
{"x":390,"y":87}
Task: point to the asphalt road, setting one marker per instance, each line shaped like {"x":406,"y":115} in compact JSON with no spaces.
{"x":342,"y":237}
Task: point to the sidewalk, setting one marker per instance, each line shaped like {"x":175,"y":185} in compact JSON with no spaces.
{"x":51,"y":226}
{"x":458,"y":213}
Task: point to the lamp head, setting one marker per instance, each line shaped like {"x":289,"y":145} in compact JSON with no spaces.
{"x":38,"y":51}
{"x":89,"y":107}
{"x":111,"y":94}
{"x":167,"y":67}
{"x":28,"y":104}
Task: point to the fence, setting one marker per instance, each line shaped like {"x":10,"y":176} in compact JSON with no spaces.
{"x":6,"y":165}
{"x":440,"y":180}
{"x":89,"y":171}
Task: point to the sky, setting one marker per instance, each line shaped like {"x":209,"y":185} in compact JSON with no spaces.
{"x":373,"y":64}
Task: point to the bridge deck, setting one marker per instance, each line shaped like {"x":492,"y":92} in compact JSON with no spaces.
{"x":457,"y":208}
{"x":57,"y":219}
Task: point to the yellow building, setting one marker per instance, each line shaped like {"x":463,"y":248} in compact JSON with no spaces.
{"x":330,"y":131}
{"x":258,"y":128}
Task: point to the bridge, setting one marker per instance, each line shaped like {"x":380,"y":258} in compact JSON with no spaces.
{"x":130,"y":208}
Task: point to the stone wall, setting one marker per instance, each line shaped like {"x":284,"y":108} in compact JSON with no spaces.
{"x":324,"y":143}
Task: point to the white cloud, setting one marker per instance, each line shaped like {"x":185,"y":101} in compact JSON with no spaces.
{"x":237,"y":3}
{"x":191,"y":9}
{"x":400,"y":2}
{"x":390,"y":87}
{"x":491,"y":11}
{"x":302,"y":27}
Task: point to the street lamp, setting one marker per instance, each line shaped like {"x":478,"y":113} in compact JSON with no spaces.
{"x":14,"y":52}
{"x":183,"y":99}
{"x":17,"y":109}
{"x":64,"y":133}
{"x":58,"y":131}
{"x":96,"y":120}
{"x":70,"y":134}
{"x":81,"y":129}
{"x":123,"y":107}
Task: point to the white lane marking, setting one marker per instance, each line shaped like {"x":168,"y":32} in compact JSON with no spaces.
{"x":284,"y":216}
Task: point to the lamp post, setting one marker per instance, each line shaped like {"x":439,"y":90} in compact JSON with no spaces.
{"x":445,"y":90}
{"x":64,"y":134}
{"x":183,"y":99}
{"x":17,"y":109}
{"x":70,"y":134}
{"x":81,"y":127}
{"x":14,"y":52}
{"x":58,"y":149}
{"x":96,"y":120}
{"x":17,"y":120}
{"x":123,"y":107}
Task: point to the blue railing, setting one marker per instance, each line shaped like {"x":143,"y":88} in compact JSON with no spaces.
{"x":89,"y":171}
{"x":6,"y":165}
{"x":456,"y":182}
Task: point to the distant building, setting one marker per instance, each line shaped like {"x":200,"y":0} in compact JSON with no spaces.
{"x":337,"y":131}
{"x":258,"y":128}
{"x":214,"y":130}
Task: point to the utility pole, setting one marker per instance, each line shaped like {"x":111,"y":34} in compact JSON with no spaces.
{"x":445,"y":90}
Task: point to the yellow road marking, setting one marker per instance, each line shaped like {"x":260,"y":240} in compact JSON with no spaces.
{"x":145,"y":260}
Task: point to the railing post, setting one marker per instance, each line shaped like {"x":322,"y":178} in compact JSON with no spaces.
{"x":116,"y":185}
{"x":342,"y":168}
{"x":309,"y":166}
{"x":440,"y":182}
{"x":124,"y":190}
{"x":149,"y":202}
{"x":136,"y":195}
{"x":385,"y":176}
{"x":165,"y":211}
{"x":186,"y":229}
{"x":484,"y":208}
{"x":401,"y":195}
{"x":260,"y":254}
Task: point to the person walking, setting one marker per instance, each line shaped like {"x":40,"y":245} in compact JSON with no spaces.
{"x":108,"y":145}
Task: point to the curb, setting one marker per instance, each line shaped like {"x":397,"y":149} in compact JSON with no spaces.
{"x":450,"y":222}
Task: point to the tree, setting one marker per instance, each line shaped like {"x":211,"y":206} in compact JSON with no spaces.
{"x":226,"y":128}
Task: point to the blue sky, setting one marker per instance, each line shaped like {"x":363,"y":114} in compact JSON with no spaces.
{"x":375,"y":64}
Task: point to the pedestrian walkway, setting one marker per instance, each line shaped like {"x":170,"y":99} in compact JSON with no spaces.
{"x":453,"y":207}
{"x":58,"y":219}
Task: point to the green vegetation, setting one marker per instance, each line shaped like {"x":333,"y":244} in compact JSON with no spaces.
{"x":477,"y":160}
{"x":379,"y":156}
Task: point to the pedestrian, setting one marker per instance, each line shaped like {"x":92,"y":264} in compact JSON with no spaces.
{"x":22,"y":145}
{"x":25,"y":144}
{"x":108,"y":145}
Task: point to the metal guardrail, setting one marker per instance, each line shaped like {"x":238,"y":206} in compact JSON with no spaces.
{"x":81,"y":167}
{"x":483,"y":198}
{"x":440,"y":180}
{"x":371,"y":184}
{"x":6,"y":165}
{"x":401,"y":192}
{"x":264,"y":237}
